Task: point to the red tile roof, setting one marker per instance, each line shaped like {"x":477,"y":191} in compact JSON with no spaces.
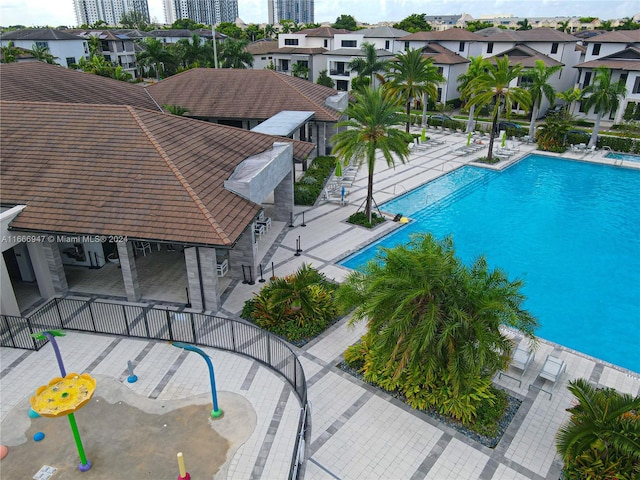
{"x":120,"y":170}
{"x":442,"y":55}
{"x":526,"y":56}
{"x":243,"y":94}
{"x":451,"y":34}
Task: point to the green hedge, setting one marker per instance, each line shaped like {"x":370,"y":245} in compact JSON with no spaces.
{"x":620,"y":144}
{"x":307,"y":190}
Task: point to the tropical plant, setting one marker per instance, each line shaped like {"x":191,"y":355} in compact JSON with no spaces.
{"x":371,"y":127}
{"x":296,"y":306}
{"x":118,"y":73}
{"x":270,"y":31}
{"x":433,"y":324}
{"x":475,"y":68}
{"x":601,"y":440}
{"x":97,"y":65}
{"x":9,"y":52}
{"x":493,"y":88}
{"x":536,"y":82}
{"x":552,"y":133}
{"x":300,"y":70}
{"x":524,"y":25}
{"x":253,"y":32}
{"x":416,"y":22}
{"x":571,"y":96}
{"x":604,"y":96}
{"x":564,"y":26}
{"x":325,"y":79}
{"x":134,"y":19}
{"x":175,"y":109}
{"x":369,"y":64}
{"x":476,"y":25}
{"x":412,"y":76}
{"x":42,"y":54}
{"x":346,"y":22}
{"x":194,"y":52}
{"x":155,"y":55}
{"x":234,"y":54}
{"x":606,"y":25}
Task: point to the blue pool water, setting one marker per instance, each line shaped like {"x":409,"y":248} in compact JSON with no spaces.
{"x":624,"y":156}
{"x":570,"y":229}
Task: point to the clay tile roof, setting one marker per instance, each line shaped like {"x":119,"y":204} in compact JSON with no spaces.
{"x":40,"y":82}
{"x":453,"y":34}
{"x":260,"y":47}
{"x":324,"y":31}
{"x":243,"y":94}
{"x":619,"y":36}
{"x":526,"y":56}
{"x":534,"y":35}
{"x":442,"y":55}
{"x":38,"y":34}
{"x":628,"y":59}
{"x":120,"y":170}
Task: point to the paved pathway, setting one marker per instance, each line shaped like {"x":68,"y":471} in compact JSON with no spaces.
{"x":357,"y":432}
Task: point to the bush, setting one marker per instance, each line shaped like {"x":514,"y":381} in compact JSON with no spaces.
{"x":295,"y":307}
{"x":619,"y":144}
{"x":307,"y":190}
{"x":359,"y":218}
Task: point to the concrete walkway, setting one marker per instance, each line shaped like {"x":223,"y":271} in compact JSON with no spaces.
{"x":357,"y":432}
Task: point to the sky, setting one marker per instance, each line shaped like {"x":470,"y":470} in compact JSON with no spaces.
{"x":60,"y":12}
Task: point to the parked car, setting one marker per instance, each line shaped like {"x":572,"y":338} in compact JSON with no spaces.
{"x":439,"y":119}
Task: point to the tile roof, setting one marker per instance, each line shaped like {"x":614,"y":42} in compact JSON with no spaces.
{"x":628,"y":59}
{"x":40,"y":82}
{"x":263,"y":46}
{"x":38,"y":34}
{"x":542,"y":34}
{"x":453,"y":34}
{"x":442,"y":55}
{"x":357,"y":52}
{"x":619,"y":36}
{"x":323,"y":31}
{"x":120,"y":170}
{"x":526,"y":56}
{"x":383,"y":32}
{"x":243,"y":94}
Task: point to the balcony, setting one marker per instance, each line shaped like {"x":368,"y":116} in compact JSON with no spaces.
{"x":339,"y":73}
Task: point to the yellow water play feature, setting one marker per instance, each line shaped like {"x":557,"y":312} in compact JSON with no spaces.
{"x":63,"y":395}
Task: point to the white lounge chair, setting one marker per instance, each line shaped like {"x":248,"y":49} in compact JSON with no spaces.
{"x":552,"y":370}
{"x":521,"y":358}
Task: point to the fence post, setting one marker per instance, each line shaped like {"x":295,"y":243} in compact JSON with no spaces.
{"x":126,"y":321}
{"x":269,"y":349}
{"x":13,"y":343}
{"x":35,"y":342}
{"x":233,"y":334}
{"x":193,"y":328}
{"x":93,"y":320}
{"x":59,"y":313}
{"x":169,"y":324}
{"x":146,"y":322}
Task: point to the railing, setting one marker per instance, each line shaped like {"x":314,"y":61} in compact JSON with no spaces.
{"x":165,"y":324}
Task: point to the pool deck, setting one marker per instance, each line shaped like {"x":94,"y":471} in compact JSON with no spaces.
{"x":357,"y":432}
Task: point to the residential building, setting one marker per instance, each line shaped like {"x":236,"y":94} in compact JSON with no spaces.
{"x":207,"y":12}
{"x":95,"y":174}
{"x":620,"y":52}
{"x":88,"y":12}
{"x":459,"y":41}
{"x":116,"y":48}
{"x":66,"y":47}
{"x":298,"y":11}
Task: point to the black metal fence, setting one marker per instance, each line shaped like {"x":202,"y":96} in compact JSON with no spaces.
{"x":165,"y":324}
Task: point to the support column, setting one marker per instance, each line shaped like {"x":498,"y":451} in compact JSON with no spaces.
{"x":193,"y":277}
{"x":321,"y":139}
{"x":55,"y":267}
{"x":129,"y":271}
{"x":244,"y":253}
{"x":283,"y":199}
{"x":8,"y":301}
{"x":40,"y":269}
{"x":208,"y":267}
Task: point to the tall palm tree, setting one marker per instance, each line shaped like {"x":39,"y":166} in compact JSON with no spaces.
{"x":369,"y":64}
{"x":370,"y":128}
{"x":475,"y":68}
{"x":97,"y":65}
{"x":564,"y":26}
{"x":194,"y":52}
{"x":234,"y":54}
{"x":524,"y":25}
{"x":155,"y":54}
{"x":42,"y":54}
{"x":604,"y":96}
{"x":602,"y":437}
{"x":269,"y":31}
{"x":493,"y":87}
{"x":433,"y":324}
{"x":299,"y":70}
{"x":537,"y":84}
{"x":410,"y":76}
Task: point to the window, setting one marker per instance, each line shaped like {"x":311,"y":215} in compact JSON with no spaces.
{"x":441,"y":70}
{"x":42,"y":44}
{"x":387,"y":44}
{"x":587,"y":79}
{"x":406,"y":45}
{"x":326,"y":43}
{"x":86,"y":48}
{"x":554,"y":47}
{"x":70,"y":61}
{"x":342,"y":85}
{"x":291,"y":41}
{"x":461,"y":47}
{"x":349,"y":43}
{"x":490,"y":47}
{"x":263,"y":58}
{"x":284,"y":65}
{"x":636,"y":86}
{"x":623,"y":78}
{"x":596,"y":48}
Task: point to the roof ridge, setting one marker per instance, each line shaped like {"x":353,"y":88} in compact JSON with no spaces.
{"x":183,"y":181}
{"x":281,"y":77}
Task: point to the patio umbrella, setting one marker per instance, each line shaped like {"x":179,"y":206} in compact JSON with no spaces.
{"x":338,"y":168}
{"x":469,"y":138}
{"x":504,"y":139}
{"x":423,"y":136}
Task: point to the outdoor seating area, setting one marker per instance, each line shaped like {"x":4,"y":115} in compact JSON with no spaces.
{"x":521,"y":359}
{"x":551,"y":371}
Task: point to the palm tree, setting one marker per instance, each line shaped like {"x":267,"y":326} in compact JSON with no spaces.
{"x":97,"y":65}
{"x":411,"y":76}
{"x":300,"y":70}
{"x":369,"y":64}
{"x":537,"y":85}
{"x":269,"y":31}
{"x":155,"y":54}
{"x":194,"y":52}
{"x":571,"y":96}
{"x":9,"y":53}
{"x":602,"y":437}
{"x":564,"y":26}
{"x":372,"y":118}
{"x":233,"y":54}
{"x":119,"y":74}
{"x":604,"y":96}
{"x":433,"y":324}
{"x":475,"y":68}
{"x":524,"y":25}
{"x":42,"y":54}
{"x":493,"y":87}
{"x":175,"y":109}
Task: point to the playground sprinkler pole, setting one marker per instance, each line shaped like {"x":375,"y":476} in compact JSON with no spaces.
{"x":184,"y":475}
{"x":52,"y":338}
{"x":85,"y":464}
{"x":216,"y":412}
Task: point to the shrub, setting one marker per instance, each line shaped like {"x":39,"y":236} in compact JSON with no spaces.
{"x":619,"y":144}
{"x":359,"y":218}
{"x":307,"y":190}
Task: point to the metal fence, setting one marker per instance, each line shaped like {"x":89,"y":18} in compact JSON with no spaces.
{"x":165,"y":324}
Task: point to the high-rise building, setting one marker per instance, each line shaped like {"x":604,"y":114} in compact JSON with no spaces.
{"x":299,"y":11}
{"x":201,"y":11}
{"x":110,"y":11}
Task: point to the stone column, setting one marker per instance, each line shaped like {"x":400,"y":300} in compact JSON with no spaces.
{"x":283,"y":199}
{"x":244,"y":253}
{"x":193,"y":277}
{"x":129,"y":271}
{"x":55,"y":267}
{"x":209,"y":274}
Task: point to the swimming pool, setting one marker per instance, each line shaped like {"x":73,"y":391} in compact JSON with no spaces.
{"x":570,"y":229}
{"x":623,"y":156}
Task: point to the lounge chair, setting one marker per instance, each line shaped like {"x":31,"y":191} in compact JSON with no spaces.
{"x":552,"y":370}
{"x":520,"y":360}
